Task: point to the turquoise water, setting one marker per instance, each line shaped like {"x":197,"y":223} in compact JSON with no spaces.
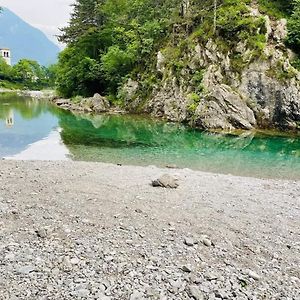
{"x":31,"y":129}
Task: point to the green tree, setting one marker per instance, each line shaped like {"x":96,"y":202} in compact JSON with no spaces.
{"x":77,"y":73}
{"x":30,"y":73}
{"x":293,"y":39}
{"x":109,"y":39}
{"x":116,"y":64}
{"x":86,"y":15}
{"x":5,"y":70}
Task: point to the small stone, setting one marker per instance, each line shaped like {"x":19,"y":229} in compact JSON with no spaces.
{"x":189,"y":241}
{"x":171,"y":166}
{"x":253,"y":275}
{"x":207,"y":242}
{"x":109,"y":259}
{"x":10,"y":257}
{"x":101,"y":296}
{"x":83,"y":293}
{"x":195,"y":293}
{"x":177,"y":284}
{"x":187,"y":268}
{"x":221,"y":294}
{"x":41,"y":233}
{"x":211,"y":276}
{"x":74,"y":261}
{"x":136,"y":295}
{"x":26,"y":270}
{"x":166,"y":181}
{"x":196,"y":280}
{"x":55,"y":271}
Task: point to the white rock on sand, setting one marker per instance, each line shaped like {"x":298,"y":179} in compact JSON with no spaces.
{"x":116,"y":227}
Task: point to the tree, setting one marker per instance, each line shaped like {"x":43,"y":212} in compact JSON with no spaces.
{"x":5,"y":70}
{"x":293,"y":39}
{"x":30,"y":73}
{"x":109,"y":39}
{"x":86,"y":15}
{"x":77,"y":74}
{"x":215,"y":16}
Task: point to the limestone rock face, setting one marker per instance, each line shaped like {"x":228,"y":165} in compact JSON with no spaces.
{"x":170,"y":103}
{"x":129,"y":92}
{"x":280,"y":32}
{"x":262,"y":92}
{"x":224,"y":109}
{"x":97,"y":104}
{"x":275,"y":104}
{"x":160,"y":64}
{"x":268,"y":28}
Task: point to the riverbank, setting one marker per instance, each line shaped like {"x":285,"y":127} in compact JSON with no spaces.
{"x":35,"y":94}
{"x":74,"y":230}
{"x":96,"y":105}
{"x":99,"y":104}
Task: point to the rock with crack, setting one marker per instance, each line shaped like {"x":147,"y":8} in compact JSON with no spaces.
{"x":166,"y":181}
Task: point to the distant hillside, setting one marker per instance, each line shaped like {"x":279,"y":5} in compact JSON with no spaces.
{"x":24,"y":40}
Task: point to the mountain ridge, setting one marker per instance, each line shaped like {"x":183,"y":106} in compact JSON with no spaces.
{"x":24,"y":40}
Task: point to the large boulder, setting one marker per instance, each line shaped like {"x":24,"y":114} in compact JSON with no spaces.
{"x":224,"y":109}
{"x":99,"y":103}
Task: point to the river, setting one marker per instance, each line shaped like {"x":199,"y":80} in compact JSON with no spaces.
{"x":37,"y":130}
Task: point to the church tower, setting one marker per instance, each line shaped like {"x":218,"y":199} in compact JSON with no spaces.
{"x":5,"y":54}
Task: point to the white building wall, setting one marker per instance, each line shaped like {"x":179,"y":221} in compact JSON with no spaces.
{"x":6,"y":55}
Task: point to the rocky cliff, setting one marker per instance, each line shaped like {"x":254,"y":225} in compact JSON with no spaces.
{"x":236,"y":86}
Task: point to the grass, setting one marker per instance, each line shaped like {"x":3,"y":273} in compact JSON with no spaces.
{"x":11,"y":85}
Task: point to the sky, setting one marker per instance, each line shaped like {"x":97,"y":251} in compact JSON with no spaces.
{"x":46,"y":15}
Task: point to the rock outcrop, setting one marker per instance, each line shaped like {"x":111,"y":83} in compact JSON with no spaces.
{"x":97,"y":104}
{"x":263,"y":93}
{"x":224,"y":109}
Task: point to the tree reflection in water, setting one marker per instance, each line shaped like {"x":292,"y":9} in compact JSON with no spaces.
{"x":140,"y":140}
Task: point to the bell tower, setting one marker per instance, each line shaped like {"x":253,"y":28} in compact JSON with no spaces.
{"x":6,"y":55}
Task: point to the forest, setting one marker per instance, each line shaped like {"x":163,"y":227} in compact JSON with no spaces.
{"x":109,"y":41}
{"x":26,"y":74}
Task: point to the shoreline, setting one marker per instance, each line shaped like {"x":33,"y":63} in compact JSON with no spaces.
{"x":99,"y":231}
{"x":99,"y":105}
{"x":35,"y":94}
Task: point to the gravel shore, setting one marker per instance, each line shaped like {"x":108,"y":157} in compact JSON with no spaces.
{"x":77,"y":230}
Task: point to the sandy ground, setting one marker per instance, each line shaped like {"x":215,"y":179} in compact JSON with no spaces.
{"x":72,"y":230}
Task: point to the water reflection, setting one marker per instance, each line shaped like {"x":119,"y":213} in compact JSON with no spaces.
{"x":10,"y":119}
{"x":25,"y":121}
{"x":40,"y":150}
{"x":143,"y":141}
{"x":40,"y":128}
{"x":26,"y":107}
